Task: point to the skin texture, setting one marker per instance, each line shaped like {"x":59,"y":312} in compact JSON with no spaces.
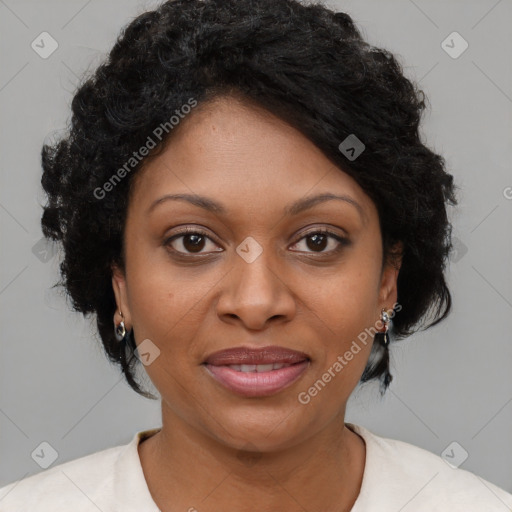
{"x":218,"y":450}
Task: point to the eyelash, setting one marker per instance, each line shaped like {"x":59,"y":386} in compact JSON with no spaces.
{"x":343,"y":242}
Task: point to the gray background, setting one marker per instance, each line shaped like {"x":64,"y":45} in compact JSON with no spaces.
{"x":452,"y":382}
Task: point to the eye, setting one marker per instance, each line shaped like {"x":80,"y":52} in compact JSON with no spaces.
{"x":190,"y":241}
{"x":319,"y":239}
{"x":193,"y":241}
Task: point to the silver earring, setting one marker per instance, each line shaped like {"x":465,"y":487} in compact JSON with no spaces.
{"x":120,"y":330}
{"x":384,"y":336}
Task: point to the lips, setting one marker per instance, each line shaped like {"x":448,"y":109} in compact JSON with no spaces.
{"x":256,"y":372}
{"x":261,"y":356}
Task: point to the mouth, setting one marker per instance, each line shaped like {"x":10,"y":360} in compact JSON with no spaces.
{"x":256,"y":372}
{"x":258,"y":368}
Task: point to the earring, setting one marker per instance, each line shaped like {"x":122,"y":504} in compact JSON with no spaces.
{"x":119,"y":330}
{"x":383,"y":336}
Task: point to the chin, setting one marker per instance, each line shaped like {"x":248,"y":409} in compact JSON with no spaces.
{"x":265,"y":428}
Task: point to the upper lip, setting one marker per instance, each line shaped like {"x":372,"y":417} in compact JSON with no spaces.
{"x":263,"y":355}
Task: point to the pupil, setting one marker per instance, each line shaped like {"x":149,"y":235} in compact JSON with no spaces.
{"x":319,"y":241}
{"x":193,"y":242}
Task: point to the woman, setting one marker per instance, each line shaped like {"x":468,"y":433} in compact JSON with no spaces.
{"x":245,"y":203}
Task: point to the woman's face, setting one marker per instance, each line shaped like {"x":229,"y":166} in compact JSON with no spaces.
{"x":255,"y":274}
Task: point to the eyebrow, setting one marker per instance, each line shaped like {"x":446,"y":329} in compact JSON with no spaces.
{"x":293,"y":209}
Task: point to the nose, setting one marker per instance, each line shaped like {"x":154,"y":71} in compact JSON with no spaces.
{"x":256,"y":294}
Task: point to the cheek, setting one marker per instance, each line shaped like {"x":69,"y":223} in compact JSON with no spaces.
{"x":165,"y":301}
{"x":166,"y":310}
{"x":348,"y":297}
{"x":346,"y":303}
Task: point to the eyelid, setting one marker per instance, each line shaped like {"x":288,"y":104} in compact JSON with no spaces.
{"x":324,"y":230}
{"x":190,"y":229}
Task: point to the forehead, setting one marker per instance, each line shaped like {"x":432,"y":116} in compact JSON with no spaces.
{"x":242,"y":154}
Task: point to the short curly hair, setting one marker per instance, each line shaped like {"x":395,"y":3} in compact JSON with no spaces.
{"x":304,"y":63}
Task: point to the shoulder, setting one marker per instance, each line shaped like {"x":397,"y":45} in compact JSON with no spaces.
{"x":88,"y":483}
{"x":71,"y":483}
{"x":410,"y":478}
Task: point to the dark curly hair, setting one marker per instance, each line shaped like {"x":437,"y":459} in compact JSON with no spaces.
{"x":304,"y":63}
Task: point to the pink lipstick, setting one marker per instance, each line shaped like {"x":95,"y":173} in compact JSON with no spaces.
{"x":257,"y":372}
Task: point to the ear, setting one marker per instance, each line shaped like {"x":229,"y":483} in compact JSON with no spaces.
{"x":121,"y":293}
{"x":388,"y":291}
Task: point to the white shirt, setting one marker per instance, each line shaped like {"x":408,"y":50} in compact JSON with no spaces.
{"x":397,"y":477}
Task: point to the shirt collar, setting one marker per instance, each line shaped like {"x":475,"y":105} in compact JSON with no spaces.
{"x":129,"y":485}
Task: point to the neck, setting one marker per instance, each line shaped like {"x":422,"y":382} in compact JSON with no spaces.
{"x":186,"y":469}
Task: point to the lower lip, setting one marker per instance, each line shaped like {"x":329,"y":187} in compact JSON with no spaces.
{"x":252,"y":384}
